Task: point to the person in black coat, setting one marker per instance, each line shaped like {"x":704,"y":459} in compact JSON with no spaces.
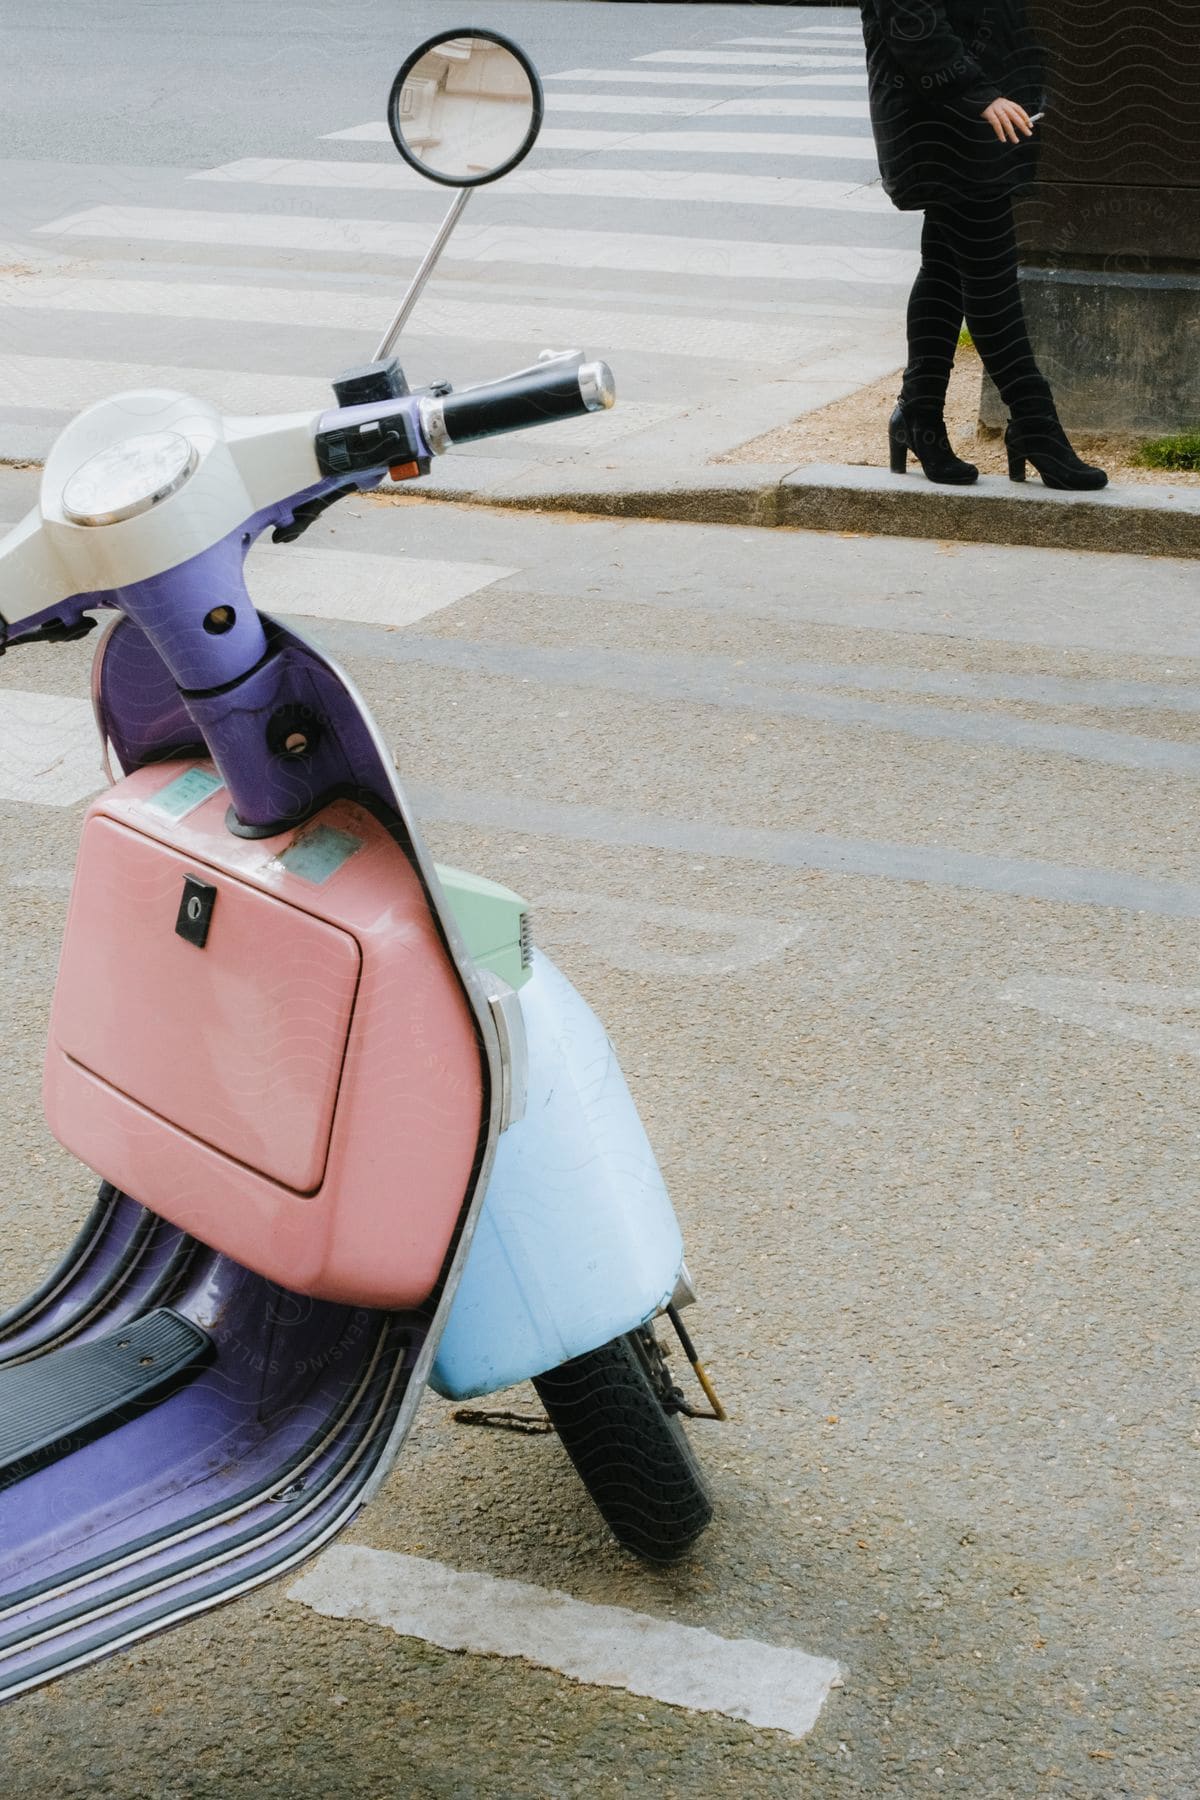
{"x":956,"y":89}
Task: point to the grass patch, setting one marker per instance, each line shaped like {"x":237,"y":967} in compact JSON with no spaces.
{"x":1180,"y":451}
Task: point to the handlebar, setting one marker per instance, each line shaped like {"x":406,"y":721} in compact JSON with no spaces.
{"x":405,"y":431}
{"x":561,"y":388}
{"x":269,"y":461}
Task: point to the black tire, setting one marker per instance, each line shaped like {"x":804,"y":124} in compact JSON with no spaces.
{"x":610,"y":1408}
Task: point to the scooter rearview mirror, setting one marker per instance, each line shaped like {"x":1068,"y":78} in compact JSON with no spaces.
{"x":465,"y":108}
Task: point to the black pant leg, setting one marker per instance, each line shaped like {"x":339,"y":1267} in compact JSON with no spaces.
{"x":983,"y":242}
{"x":935,"y":316}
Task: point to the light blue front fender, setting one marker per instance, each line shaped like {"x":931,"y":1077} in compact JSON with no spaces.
{"x":577,"y":1240}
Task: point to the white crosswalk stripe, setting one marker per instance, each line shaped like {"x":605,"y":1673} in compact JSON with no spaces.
{"x":763,"y":59}
{"x":731,"y":259}
{"x":61,"y":383}
{"x":654,"y":185}
{"x":780,"y":108}
{"x":67,"y":384}
{"x":757,"y":143}
{"x":779,"y":43}
{"x":49,"y":749}
{"x":728,"y":78}
{"x":367,"y":589}
{"x":808,"y":106}
{"x":716,"y":143}
{"x":436,"y":317}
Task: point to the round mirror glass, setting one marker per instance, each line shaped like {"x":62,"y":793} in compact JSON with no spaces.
{"x":465,"y":109}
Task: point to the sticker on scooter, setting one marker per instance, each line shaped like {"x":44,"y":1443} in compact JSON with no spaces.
{"x":186,"y":793}
{"x":319,"y":854}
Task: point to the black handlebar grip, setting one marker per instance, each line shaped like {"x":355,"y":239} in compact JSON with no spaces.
{"x":532,"y":397}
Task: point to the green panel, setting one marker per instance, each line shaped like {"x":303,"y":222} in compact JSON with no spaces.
{"x":489,"y":917}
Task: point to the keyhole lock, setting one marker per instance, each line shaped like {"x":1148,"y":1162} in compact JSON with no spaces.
{"x":195,"y":911}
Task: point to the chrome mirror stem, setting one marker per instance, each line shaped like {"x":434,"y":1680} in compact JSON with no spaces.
{"x":416,"y":286}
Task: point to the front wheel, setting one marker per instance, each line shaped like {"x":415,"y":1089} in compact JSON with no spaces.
{"x":613,"y":1410}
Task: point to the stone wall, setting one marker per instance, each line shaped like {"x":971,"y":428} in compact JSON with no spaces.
{"x":1110,"y":232}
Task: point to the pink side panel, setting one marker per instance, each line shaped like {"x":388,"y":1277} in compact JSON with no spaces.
{"x":399,"y":1157}
{"x":240,"y":1042}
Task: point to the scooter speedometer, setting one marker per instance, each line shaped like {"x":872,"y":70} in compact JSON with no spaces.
{"x":128,"y":478}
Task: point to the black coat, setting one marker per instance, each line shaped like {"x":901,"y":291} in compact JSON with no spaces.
{"x":933,"y":66}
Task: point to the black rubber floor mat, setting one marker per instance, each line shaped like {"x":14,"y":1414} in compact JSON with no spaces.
{"x":52,"y":1405}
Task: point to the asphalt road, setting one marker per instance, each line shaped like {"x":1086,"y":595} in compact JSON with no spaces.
{"x":878,"y":860}
{"x":159,"y":81}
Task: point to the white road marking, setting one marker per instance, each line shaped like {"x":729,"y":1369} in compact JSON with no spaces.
{"x":763,"y":59}
{"x":787,"y":43}
{"x":66,"y":384}
{"x":60,"y":383}
{"x":734,"y":259}
{"x":714,"y":143}
{"x":677,"y":105}
{"x":375,"y":131}
{"x":656,"y":106}
{"x":730,"y":78}
{"x":435,"y":317}
{"x":661,"y":105}
{"x":355,"y":585}
{"x":664,"y":940}
{"x":780,"y":107}
{"x":49,"y":749}
{"x":571,"y":137}
{"x":1137,"y":1010}
{"x":655,"y":185}
{"x":768,"y":1685}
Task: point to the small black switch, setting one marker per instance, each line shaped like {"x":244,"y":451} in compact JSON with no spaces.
{"x":371,"y":382}
{"x":195,"y":911}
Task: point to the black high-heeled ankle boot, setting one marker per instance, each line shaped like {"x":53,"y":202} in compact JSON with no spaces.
{"x":923,"y":432}
{"x":1040,"y":439}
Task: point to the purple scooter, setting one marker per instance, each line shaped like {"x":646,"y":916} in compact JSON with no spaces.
{"x":352,"y":1137}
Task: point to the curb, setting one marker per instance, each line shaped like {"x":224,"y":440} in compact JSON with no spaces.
{"x":1158,"y":520}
